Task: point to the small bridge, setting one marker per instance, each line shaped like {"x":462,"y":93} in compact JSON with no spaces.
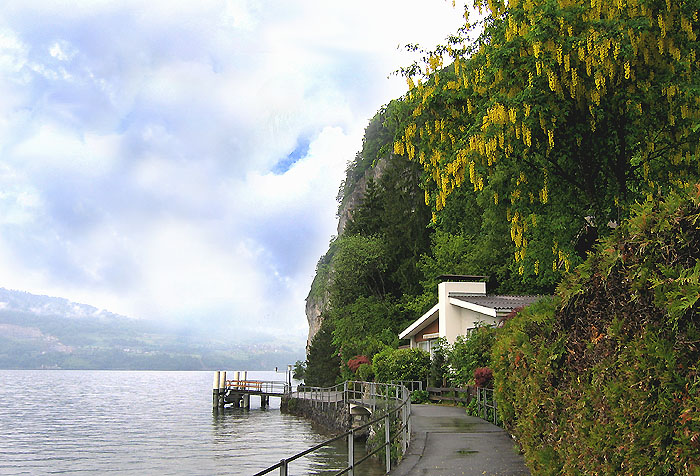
{"x":362,"y":398}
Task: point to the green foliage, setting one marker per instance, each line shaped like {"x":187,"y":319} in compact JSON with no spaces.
{"x":299,"y":371}
{"x":419,"y":396}
{"x":365,"y":373}
{"x":323,"y":362}
{"x":358,"y":269}
{"x":401,"y":364}
{"x":605,"y":380}
{"x":557,"y":119}
{"x":469,"y":353}
{"x":439,"y":366}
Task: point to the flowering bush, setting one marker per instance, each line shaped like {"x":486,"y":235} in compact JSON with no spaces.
{"x":483,"y":376}
{"x":355,"y":363}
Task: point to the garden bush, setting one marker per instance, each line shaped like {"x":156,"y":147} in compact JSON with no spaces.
{"x":603,"y":379}
{"x":469,"y":353}
{"x":401,"y":364}
{"x":365,"y":373}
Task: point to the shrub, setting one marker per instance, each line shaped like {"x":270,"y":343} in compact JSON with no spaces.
{"x":604,"y":379}
{"x":365,"y":373}
{"x":469,"y":353}
{"x":353,"y":364}
{"x":439,"y":366}
{"x":483,"y":377}
{"x":419,"y":396}
{"x":401,"y":364}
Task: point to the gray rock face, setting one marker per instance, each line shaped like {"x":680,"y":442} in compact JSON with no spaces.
{"x":355,"y":197}
{"x":315,"y":305}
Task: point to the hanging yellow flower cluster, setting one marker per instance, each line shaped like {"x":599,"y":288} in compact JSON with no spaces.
{"x":499,"y":101}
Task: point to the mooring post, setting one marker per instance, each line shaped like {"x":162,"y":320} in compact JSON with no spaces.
{"x":216,"y":389}
{"x":283,"y":467}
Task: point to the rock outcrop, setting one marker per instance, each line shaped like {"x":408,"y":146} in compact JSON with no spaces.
{"x":317,"y":299}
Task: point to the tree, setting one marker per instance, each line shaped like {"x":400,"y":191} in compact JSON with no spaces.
{"x":323,"y":362}
{"x":560,"y":116}
{"x":401,"y":364}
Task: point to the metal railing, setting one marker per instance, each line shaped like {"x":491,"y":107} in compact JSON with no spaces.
{"x":411,"y":385}
{"x":261,"y":386}
{"x":488,"y":408}
{"x":371,"y":395}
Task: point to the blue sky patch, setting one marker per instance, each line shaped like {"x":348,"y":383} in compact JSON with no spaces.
{"x":299,"y":152}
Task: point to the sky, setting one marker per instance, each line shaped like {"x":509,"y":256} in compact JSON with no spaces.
{"x":179,"y":160}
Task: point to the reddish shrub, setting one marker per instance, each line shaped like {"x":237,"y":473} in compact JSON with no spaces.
{"x":483,"y":376}
{"x":509,"y":316}
{"x":355,"y":363}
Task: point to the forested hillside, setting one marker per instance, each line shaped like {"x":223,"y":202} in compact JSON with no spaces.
{"x":567,"y":126}
{"x":509,"y":156}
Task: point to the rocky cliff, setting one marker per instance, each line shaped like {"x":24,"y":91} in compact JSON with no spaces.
{"x":317,"y":299}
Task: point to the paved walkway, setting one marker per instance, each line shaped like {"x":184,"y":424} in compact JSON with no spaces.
{"x":445,"y":441}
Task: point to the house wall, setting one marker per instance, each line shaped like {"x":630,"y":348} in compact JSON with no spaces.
{"x":470,"y":319}
{"x":429,"y":329}
{"x":451,"y":316}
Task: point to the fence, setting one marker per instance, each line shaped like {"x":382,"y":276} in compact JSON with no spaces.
{"x":487,"y":407}
{"x":452,"y":394}
{"x":374,"y":395}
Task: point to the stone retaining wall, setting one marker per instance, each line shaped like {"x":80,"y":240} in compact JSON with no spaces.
{"x":332,"y":415}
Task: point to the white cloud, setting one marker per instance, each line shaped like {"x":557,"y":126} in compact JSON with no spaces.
{"x":146,"y":145}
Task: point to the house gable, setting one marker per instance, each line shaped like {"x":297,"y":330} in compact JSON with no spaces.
{"x":462,"y":306}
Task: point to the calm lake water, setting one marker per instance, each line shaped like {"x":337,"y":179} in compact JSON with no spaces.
{"x":139,"y":423}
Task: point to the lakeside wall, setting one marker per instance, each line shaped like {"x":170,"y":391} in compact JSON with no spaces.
{"x":334,"y":416}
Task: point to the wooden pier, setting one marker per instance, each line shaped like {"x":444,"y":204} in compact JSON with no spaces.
{"x":237,"y":392}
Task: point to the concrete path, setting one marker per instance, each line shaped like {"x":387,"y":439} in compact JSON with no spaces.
{"x":447,"y":441}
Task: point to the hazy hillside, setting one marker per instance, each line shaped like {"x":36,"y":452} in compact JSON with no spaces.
{"x":47,"y":332}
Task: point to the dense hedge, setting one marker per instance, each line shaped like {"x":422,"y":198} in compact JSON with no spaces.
{"x":401,"y":364}
{"x":603,"y":379}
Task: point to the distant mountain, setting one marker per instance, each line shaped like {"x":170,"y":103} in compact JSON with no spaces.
{"x":40,"y":332}
{"x":47,"y":306}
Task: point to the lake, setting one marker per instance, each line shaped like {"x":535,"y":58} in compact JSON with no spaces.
{"x":147,"y":422}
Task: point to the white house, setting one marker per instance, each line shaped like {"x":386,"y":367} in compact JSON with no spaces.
{"x":462,"y":307}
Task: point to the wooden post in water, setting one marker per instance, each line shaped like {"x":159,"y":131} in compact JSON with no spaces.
{"x":236,"y":377}
{"x":216,"y":389}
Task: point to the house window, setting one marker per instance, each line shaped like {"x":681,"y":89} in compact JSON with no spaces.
{"x":428,"y":346}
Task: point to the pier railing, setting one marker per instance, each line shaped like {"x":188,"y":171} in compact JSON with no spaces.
{"x":394,"y":402}
{"x":262,"y":386}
